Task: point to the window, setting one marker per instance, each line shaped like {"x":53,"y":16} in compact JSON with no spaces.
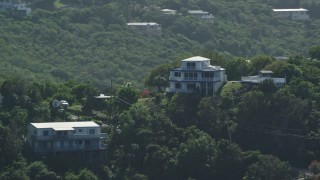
{"x":191,"y":65}
{"x":91,"y":131}
{"x":35,"y":132}
{"x":191,"y":86}
{"x":80,"y":130}
{"x":45,"y":133}
{"x":191,"y":75}
{"x":177,"y":85}
{"x":177,"y":74}
{"x":80,"y":142}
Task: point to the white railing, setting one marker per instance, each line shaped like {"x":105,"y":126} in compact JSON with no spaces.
{"x":173,"y":78}
{"x":259,"y":79}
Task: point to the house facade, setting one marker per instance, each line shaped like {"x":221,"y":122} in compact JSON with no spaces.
{"x":15,"y":5}
{"x":263,"y":75}
{"x":196,"y":75}
{"x":51,"y":137}
{"x":294,"y":14}
{"x":203,"y":15}
{"x":146,"y":27}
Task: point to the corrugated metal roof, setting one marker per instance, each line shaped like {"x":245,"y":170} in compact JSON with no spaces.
{"x":65,"y":125}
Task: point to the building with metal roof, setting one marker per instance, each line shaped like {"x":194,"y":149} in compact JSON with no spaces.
{"x":65,"y":136}
{"x":294,"y":14}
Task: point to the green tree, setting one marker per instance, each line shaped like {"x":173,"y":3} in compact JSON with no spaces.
{"x":314,"y":52}
{"x":268,"y":167}
{"x":86,"y":174}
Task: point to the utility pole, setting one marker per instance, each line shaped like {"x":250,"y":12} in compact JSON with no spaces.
{"x":228,"y":127}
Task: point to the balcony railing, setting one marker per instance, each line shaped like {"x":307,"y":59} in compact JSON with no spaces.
{"x":212,"y":79}
{"x":69,"y":136}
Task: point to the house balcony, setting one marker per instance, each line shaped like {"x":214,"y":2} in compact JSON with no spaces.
{"x":199,"y":79}
{"x":70,"y":136}
{"x":259,"y":79}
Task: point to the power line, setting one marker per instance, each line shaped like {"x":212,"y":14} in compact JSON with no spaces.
{"x":278,"y":133}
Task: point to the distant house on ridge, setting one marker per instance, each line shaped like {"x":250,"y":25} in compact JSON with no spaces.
{"x":203,"y":15}
{"x":145,"y":27}
{"x":15,"y":5}
{"x":294,"y":14}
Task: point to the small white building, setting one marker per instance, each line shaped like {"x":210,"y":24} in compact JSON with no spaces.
{"x":15,"y":5}
{"x":203,"y":15}
{"x":65,"y":136}
{"x":294,"y":14}
{"x":145,"y":27}
{"x":196,"y":75}
{"x":263,"y":75}
{"x":169,"y":11}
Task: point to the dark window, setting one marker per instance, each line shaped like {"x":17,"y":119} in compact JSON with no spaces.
{"x":80,"y":130}
{"x":87,"y":143}
{"x":191,"y":86}
{"x":177,"y":74}
{"x":80,"y":142}
{"x":45,"y":133}
{"x":191,"y":65}
{"x":178,"y":85}
{"x":91,"y":131}
{"x":35,"y":132}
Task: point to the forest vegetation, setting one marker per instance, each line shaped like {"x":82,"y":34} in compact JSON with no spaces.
{"x":72,"y":49}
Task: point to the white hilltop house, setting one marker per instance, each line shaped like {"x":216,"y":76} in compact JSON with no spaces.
{"x":50,"y":137}
{"x":145,"y":27}
{"x":196,"y":75}
{"x":294,"y":14}
{"x":168,"y":11}
{"x":263,"y":75}
{"x":15,"y":5}
{"x":203,"y":15}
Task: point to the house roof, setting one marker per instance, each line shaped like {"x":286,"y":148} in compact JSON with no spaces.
{"x":197,"y":12}
{"x":266,"y":72}
{"x":142,"y":24}
{"x":289,"y":10}
{"x":196,"y":58}
{"x":64,"y":125}
{"x":168,"y":10}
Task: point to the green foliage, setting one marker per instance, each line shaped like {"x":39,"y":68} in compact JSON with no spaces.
{"x":268,"y":167}
{"x":314,"y":52}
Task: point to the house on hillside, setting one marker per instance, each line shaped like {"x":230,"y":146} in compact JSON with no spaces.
{"x":169,"y":11}
{"x":65,"y":136}
{"x":263,"y":75}
{"x":146,"y":27}
{"x":294,"y":14}
{"x":203,"y":15}
{"x":15,"y":5}
{"x":196,"y":75}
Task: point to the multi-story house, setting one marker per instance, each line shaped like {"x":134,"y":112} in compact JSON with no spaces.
{"x":65,"y":136}
{"x":263,"y":75}
{"x":146,"y":27}
{"x":203,"y":15}
{"x":294,"y":14}
{"x":196,"y":75}
{"x":15,"y":5}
